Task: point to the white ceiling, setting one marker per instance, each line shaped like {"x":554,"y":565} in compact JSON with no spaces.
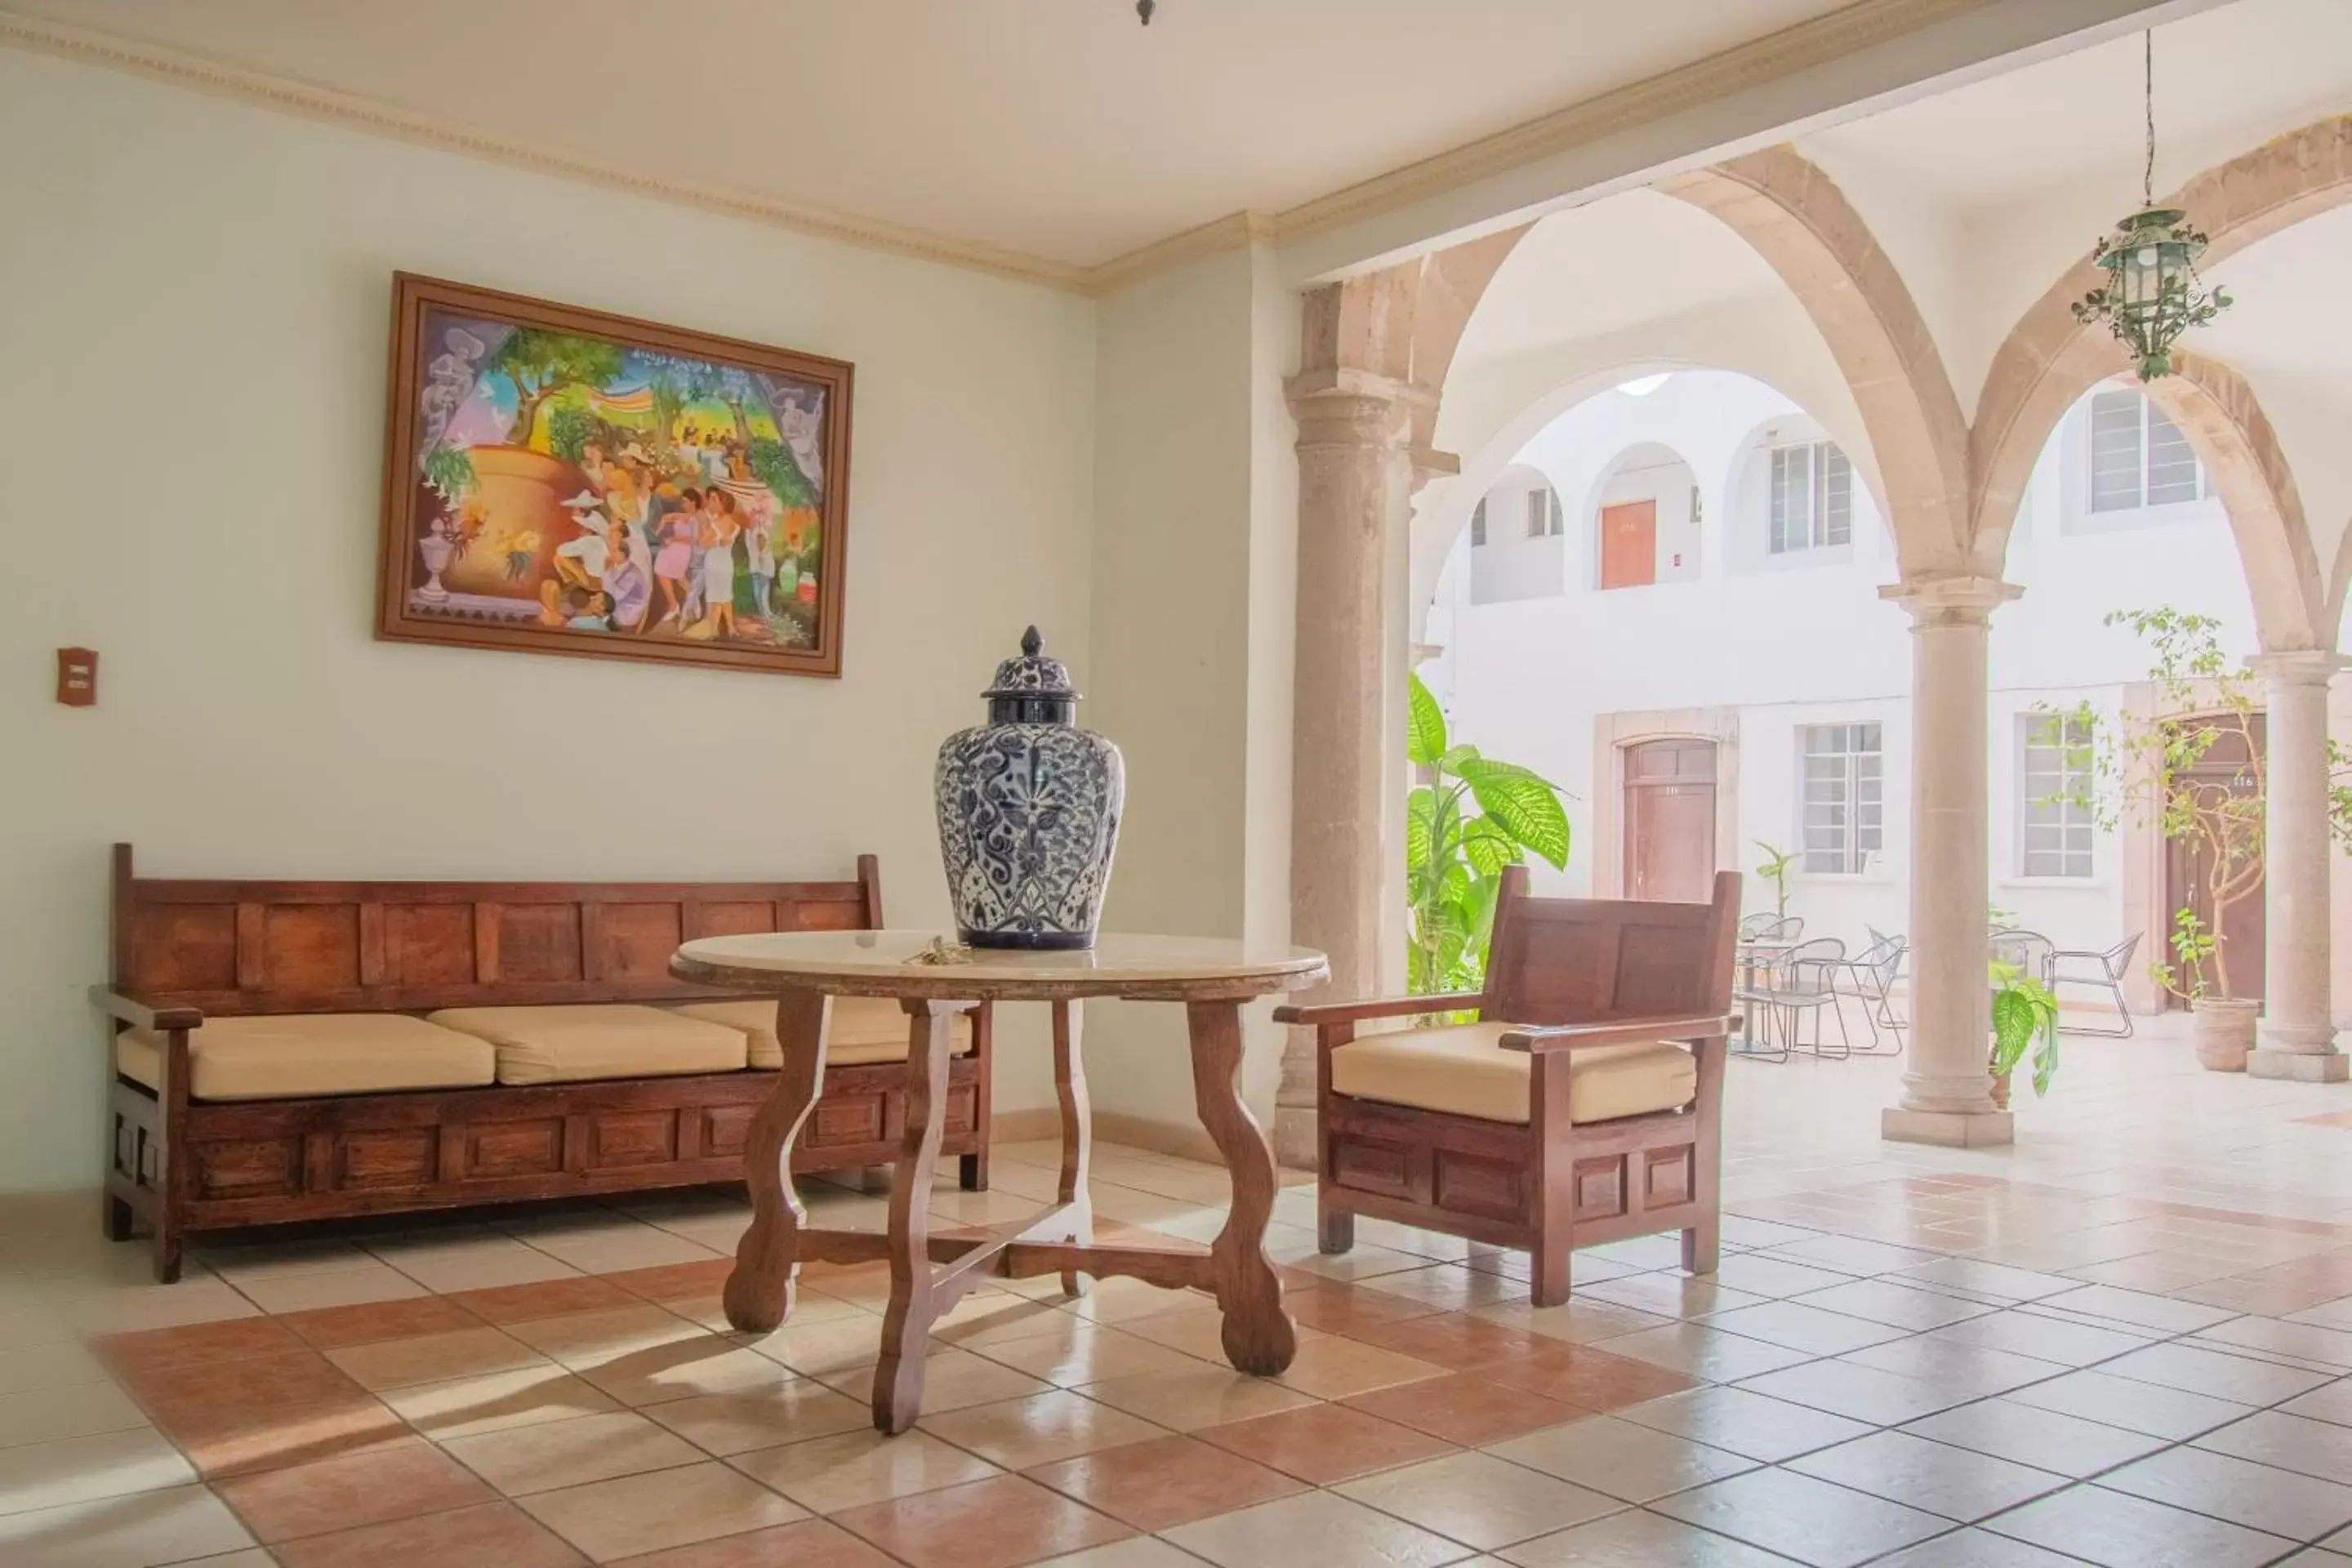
{"x":1058,"y":128}
{"x":2226,"y":80}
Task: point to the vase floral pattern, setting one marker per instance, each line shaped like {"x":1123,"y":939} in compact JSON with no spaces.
{"x":1029,"y":807}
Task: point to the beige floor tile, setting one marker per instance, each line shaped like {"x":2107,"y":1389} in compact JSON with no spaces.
{"x":1333,"y":1368}
{"x":173,"y":1526}
{"x":1021,"y":1433}
{"x":685,"y":1369}
{"x":553,"y":1454}
{"x":74,"y":1410}
{"x":1625,"y":1461}
{"x":340,"y":1288}
{"x":593,"y":1339}
{"x":1479,"y":1500}
{"x":826,"y":1345}
{"x":251,"y":1262}
{"x":77,"y":1469}
{"x":435,"y":1358}
{"x":29,"y":1365}
{"x":952,"y":1379}
{"x":726,"y":1424}
{"x":852,"y":1469}
{"x":632,"y":1514}
{"x":1314,"y":1527}
{"x":129,"y":1308}
{"x":1208,"y":1396}
{"x":495,"y":1401}
{"x":640,"y":1247}
{"x":1084,"y":1353}
{"x":472,"y":1263}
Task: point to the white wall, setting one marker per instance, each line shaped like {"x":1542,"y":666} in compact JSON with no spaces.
{"x":194,"y":299}
{"x":1773,"y":644}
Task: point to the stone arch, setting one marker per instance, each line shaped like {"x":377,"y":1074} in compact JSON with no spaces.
{"x":2049,"y":360}
{"x":1795,"y":217}
{"x":2218,"y":412}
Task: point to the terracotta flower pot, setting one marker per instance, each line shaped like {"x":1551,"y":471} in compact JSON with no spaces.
{"x":2223,"y":1029}
{"x":2000,"y":1091}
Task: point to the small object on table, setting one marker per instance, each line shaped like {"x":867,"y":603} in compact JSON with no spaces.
{"x":1211,"y":978}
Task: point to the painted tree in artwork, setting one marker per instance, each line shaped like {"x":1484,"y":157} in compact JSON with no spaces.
{"x":542,"y":363}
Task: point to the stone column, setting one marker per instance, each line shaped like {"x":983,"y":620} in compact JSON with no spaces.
{"x":1354,"y":472}
{"x":2297,"y":1039}
{"x":1946,"y":1092}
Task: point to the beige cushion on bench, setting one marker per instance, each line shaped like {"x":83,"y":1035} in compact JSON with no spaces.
{"x":582,"y":1041}
{"x":1461,"y":1070}
{"x":296,"y":1055}
{"x":864,"y":1029}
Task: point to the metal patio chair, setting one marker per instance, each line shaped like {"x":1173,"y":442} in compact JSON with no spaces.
{"x":2078,"y":966}
{"x":1869,"y":976}
{"x":1804,"y":982}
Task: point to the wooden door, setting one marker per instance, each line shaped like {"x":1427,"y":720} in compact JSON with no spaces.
{"x":1670,"y":820}
{"x":2188,"y":872}
{"x":1629,"y":544}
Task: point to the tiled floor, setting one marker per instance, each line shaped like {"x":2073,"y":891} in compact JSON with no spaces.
{"x":2127,"y":1341}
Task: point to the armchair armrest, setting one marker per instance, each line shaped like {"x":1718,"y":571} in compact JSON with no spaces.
{"x":141,"y":1014}
{"x":1317,"y":1013}
{"x":1541,"y":1039}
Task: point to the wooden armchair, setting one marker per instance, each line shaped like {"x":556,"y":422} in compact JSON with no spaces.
{"x":1585,"y":1106}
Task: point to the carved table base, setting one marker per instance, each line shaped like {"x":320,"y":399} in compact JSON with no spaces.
{"x":929,"y":1275}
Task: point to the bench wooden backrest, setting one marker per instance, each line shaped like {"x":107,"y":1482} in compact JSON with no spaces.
{"x":241,"y":947}
{"x":1587,"y":961}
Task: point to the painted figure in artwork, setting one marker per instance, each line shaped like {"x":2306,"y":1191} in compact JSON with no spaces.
{"x":580,"y":485}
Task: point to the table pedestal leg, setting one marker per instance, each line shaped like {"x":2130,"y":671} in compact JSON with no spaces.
{"x":1077,"y":1133}
{"x":767,"y":1260}
{"x":907,"y":1323}
{"x":1258,"y":1337}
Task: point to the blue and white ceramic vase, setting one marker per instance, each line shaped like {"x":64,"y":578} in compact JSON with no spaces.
{"x":1029,"y":808}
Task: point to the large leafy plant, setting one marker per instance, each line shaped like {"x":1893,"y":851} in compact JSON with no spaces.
{"x":2024,"y":1013}
{"x":1468,"y":818}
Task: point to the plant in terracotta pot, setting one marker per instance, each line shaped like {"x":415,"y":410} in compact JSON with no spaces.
{"x":2196,"y":771}
{"x":2025,"y":1013}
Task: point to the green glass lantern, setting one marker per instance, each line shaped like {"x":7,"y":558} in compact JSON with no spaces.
{"x":2153,"y":294}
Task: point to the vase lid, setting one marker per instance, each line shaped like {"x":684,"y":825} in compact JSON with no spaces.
{"x":1033,"y":674}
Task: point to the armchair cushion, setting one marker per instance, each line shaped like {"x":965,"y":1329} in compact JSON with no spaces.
{"x":865,"y":1030}
{"x":1462,"y":1070}
{"x":576,"y":1042}
{"x":299,"y":1055}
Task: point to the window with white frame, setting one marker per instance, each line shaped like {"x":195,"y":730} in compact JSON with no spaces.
{"x":1840,"y":794}
{"x":1812,"y":496}
{"x":2055,"y":827}
{"x":1543,"y":513}
{"x":1478,"y":523}
{"x":2139,"y":457}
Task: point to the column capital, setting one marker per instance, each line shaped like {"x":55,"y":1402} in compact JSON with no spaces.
{"x":1958,"y":600}
{"x":2297,"y":666}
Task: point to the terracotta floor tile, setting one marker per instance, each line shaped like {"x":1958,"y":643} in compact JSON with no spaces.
{"x":810,"y":1543}
{"x":1479,"y":1500}
{"x":372,"y":1323}
{"x":853,"y":1468}
{"x":1464,"y":1407}
{"x":631,"y":1515}
{"x":1203,"y":1396}
{"x":1312,"y":1528}
{"x":183,"y":1394}
{"x":498,"y":1535}
{"x":1448,"y":1340}
{"x":1019,"y":1434}
{"x":1323,"y":1444}
{"x":1584,"y":1377}
{"x":1334,"y":1367}
{"x":1165,"y":1482}
{"x":585,"y":1449}
{"x":996,"y":1524}
{"x":393,"y":1479}
{"x":673,"y":1281}
{"x":225,"y":1443}
{"x":1342,"y":1309}
{"x":133,"y":1355}
{"x":542,"y":1299}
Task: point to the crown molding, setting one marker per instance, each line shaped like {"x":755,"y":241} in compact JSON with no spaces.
{"x":1807,"y":45}
{"x":289,"y":95}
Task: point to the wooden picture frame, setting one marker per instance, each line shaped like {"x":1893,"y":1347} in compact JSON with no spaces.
{"x":562,"y":481}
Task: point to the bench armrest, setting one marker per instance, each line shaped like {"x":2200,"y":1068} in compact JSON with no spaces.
{"x":141,"y":1014}
{"x":1317,"y":1013}
{"x":1541,"y":1038}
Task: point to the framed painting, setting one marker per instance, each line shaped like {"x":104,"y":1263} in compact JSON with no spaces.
{"x":561,"y":480}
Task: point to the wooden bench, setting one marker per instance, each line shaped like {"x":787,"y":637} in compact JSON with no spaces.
{"x":185,"y":951}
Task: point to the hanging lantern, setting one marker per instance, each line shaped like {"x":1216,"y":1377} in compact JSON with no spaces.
{"x":2153,"y":294}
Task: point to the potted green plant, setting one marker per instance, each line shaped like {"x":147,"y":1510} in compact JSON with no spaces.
{"x":2025,"y":1013}
{"x":1467,"y":818}
{"x":1776,"y":868}
{"x":2195,"y":772}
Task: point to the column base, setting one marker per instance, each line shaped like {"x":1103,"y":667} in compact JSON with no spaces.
{"x":1953,"y":1129}
{"x":1298,"y":1145}
{"x":2302,"y":1067}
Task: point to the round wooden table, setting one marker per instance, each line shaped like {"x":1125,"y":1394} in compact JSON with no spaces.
{"x":935,"y":981}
